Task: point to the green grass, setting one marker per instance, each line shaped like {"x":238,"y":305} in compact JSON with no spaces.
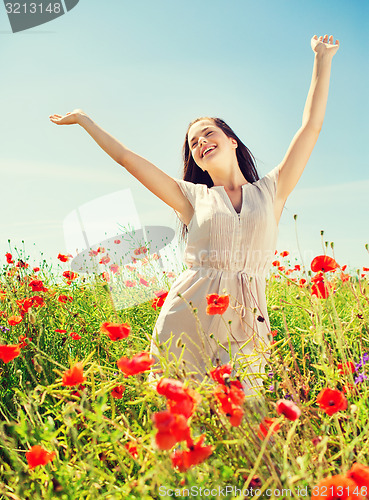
{"x":89,"y":432}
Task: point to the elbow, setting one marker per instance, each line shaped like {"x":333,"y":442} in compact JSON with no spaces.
{"x":312,"y":126}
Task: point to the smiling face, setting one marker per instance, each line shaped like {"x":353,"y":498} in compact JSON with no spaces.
{"x":210,"y":146}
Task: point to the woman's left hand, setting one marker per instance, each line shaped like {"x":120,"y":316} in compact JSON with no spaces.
{"x":324,"y":46}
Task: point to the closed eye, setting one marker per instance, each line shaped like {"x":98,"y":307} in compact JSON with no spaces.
{"x":195,"y":143}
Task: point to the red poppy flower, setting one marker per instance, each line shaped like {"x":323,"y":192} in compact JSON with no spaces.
{"x":331,"y":401}
{"x":75,"y":336}
{"x":21,"y":264}
{"x":131,"y":447}
{"x":172,"y":429}
{"x":115,"y":331}
{"x":63,"y":258}
{"x":288,"y":408}
{"x":162,"y":294}
{"x":181,"y":400}
{"x":37,"y":301}
{"x":360,"y":474}
{"x":117,"y":391}
{"x":220,"y":373}
{"x":336,"y":487}
{"x":183,"y":459}
{"x":265,"y":425}
{"x":171,"y":389}
{"x":74,"y":375}
{"x":276,"y":263}
{"x":9,"y":258}
{"x":36,"y":269}
{"x":284,"y":253}
{"x":9,"y":352}
{"x":346,"y":368}
{"x":217,"y":304}
{"x":344,"y":277}
{"x":114,"y":268}
{"x":323,"y":263}
{"x":70,"y":275}
{"x":24,"y":305}
{"x":105,"y":260}
{"x":100,"y":250}
{"x":65,"y":298}
{"x":141,"y":362}
{"x":38,"y":456}
{"x":61,"y":331}
{"x":320,"y":290}
{"x":186,"y":405}
{"x":14,"y":320}
{"x":37,"y":286}
{"x":230,"y":400}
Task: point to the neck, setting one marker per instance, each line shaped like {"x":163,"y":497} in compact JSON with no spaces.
{"x":231,"y":178}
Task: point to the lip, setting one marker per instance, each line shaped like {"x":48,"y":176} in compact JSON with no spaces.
{"x":205,"y":148}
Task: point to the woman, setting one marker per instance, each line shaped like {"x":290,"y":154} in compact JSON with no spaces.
{"x":225,"y":206}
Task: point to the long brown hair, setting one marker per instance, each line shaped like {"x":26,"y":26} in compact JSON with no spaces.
{"x":193,"y":173}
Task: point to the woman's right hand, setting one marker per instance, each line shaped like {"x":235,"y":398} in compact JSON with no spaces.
{"x":70,"y":118}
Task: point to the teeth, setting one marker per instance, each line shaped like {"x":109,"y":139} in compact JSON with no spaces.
{"x":208,"y":149}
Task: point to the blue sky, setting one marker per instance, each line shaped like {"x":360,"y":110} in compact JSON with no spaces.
{"x":143,"y":70}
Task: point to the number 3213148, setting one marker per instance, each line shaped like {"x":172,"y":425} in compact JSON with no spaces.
{"x":33,"y":8}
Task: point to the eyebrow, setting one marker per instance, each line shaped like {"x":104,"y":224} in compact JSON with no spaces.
{"x":202,"y":131}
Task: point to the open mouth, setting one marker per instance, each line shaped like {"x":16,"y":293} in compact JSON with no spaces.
{"x":208,"y":150}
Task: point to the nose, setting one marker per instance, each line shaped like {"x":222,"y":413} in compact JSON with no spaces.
{"x":201,"y":140}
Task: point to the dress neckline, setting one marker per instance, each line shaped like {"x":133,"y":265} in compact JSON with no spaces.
{"x":222,"y":188}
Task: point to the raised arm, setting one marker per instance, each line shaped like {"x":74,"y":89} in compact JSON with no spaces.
{"x":157,"y":181}
{"x":303,"y":143}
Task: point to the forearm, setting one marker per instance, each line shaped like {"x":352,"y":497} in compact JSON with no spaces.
{"x":107,"y":142}
{"x":316,"y":101}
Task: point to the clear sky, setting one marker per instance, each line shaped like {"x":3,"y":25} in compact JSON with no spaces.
{"x":143,"y":70}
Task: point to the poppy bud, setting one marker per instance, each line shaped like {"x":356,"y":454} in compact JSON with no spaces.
{"x":56,"y":485}
{"x":353,"y":409}
{"x":31,"y":317}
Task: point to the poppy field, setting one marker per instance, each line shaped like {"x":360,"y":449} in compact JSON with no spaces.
{"x":79,"y":418}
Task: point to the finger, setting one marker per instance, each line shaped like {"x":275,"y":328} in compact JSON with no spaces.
{"x":320,"y":38}
{"x":337,"y":42}
{"x":315,"y":37}
{"x":331,"y":39}
{"x":325,"y":38}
